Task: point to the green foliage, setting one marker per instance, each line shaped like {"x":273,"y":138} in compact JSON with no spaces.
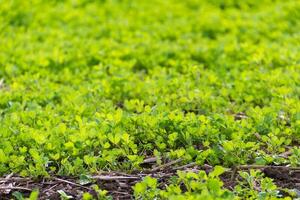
{"x":147,"y":189}
{"x":190,"y":185}
{"x":90,"y":85}
{"x":33,"y":195}
{"x":195,"y":185}
{"x":255,"y":186}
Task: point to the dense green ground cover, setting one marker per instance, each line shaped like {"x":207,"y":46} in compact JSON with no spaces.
{"x":101,"y":85}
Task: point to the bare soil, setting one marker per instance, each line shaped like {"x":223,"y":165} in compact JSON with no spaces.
{"x":119,"y":185}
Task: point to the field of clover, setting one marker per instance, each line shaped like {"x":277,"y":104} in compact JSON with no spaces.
{"x":93,"y":87}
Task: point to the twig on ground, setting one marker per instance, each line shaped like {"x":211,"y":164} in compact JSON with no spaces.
{"x":166,"y":165}
{"x":234,"y":172}
{"x":286,"y":154}
{"x":111,"y":178}
{"x":149,"y":160}
{"x":13,"y":188}
{"x":49,"y":189}
{"x":185,"y":166}
{"x":71,"y":183}
{"x":14,"y":179}
{"x":241,"y":167}
{"x":117,"y":192}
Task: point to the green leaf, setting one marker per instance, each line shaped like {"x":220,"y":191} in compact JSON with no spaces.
{"x":18,"y":195}
{"x":3,"y":157}
{"x":115,"y":139}
{"x":218,"y":170}
{"x":34,"y":195}
{"x":84,"y":179}
{"x":151,"y":182}
{"x":63,"y":195}
{"x":140,"y":188}
{"x":214,"y":186}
